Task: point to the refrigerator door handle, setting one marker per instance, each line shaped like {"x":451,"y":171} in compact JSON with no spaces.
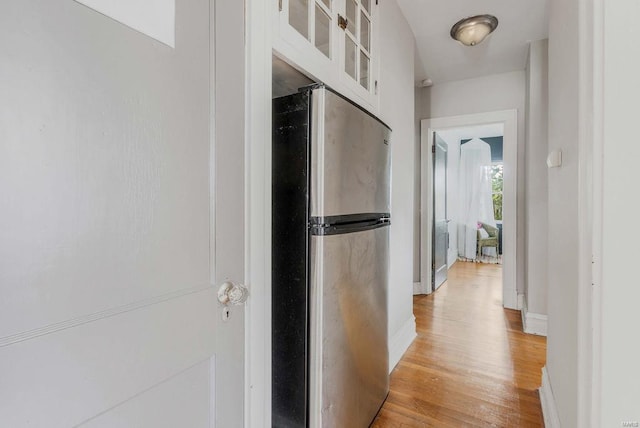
{"x":339,"y":229}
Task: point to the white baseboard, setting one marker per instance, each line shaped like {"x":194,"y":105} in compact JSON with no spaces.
{"x":400,"y":342}
{"x":533,"y":323}
{"x":509,"y":298}
{"x":520,"y":301}
{"x":452,"y":257}
{"x":548,"y":402}
{"x":417,"y":288}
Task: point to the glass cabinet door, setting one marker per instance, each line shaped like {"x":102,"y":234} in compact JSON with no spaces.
{"x":312,"y":19}
{"x":357,"y":26}
{"x":299,"y":16}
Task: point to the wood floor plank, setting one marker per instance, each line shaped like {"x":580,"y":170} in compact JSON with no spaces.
{"x":471,"y":365}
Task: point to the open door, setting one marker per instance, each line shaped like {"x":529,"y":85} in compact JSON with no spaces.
{"x":440,"y":222}
{"x":123,"y":213}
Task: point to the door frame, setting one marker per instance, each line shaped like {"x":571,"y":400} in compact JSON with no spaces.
{"x":509,"y":118}
{"x":590,"y":220}
{"x":258,"y":41}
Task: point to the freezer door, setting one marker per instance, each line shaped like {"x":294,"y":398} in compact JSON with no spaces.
{"x":348,"y":328}
{"x":350,"y":158}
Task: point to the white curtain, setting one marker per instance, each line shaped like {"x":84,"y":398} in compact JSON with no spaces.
{"x":476,"y":203}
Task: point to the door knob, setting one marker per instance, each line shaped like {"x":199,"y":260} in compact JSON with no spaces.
{"x":231,"y":293}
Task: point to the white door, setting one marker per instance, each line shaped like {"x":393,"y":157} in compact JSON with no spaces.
{"x":440,"y":243}
{"x":115,"y":228}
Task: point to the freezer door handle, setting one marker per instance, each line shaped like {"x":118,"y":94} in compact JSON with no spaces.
{"x":341,"y":228}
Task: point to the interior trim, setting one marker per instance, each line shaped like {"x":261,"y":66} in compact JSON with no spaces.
{"x":533,"y":323}
{"x":400,"y":341}
{"x":510,"y":208}
{"x":548,"y":402}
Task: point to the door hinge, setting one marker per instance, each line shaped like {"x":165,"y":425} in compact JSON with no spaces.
{"x":433,"y":148}
{"x":342,"y":22}
{"x":376,"y":2}
{"x":280,"y":5}
{"x":375,"y":87}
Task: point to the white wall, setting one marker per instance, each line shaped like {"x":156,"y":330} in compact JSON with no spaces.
{"x":609,"y":350}
{"x":563,"y":239}
{"x":422,"y":111}
{"x":397,"y":110}
{"x":418,"y":115}
{"x":536,"y":224}
{"x":620,"y":206}
{"x":484,"y":94}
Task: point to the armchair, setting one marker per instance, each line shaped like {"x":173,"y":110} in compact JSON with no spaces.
{"x":489,"y":241}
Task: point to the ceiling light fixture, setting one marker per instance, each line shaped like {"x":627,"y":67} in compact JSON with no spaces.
{"x":473,"y":30}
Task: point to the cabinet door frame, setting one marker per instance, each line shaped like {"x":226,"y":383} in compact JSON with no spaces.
{"x":368,"y":94}
{"x":296,"y":45}
{"x":301,"y":52}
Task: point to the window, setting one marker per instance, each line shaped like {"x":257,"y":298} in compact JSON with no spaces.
{"x":497,"y":183}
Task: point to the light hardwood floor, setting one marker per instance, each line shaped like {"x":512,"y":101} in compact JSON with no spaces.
{"x":471,"y":365}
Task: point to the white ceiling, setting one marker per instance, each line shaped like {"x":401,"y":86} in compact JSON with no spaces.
{"x":444,"y":59}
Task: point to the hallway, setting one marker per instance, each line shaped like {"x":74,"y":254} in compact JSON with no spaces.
{"x":471,"y":365}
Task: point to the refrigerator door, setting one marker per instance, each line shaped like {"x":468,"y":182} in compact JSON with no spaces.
{"x":350,"y":158}
{"x":348,"y":328}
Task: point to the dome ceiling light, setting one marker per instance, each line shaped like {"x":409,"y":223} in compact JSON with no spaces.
{"x":473,"y":30}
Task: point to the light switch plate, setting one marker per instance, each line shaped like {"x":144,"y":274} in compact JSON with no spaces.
{"x":554,"y":160}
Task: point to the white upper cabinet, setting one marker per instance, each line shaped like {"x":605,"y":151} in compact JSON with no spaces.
{"x":356,"y":42}
{"x":333,"y":41}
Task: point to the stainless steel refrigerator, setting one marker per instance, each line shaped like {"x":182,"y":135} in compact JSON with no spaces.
{"x":330,"y":261}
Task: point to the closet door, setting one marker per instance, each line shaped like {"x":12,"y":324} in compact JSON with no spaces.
{"x":109,"y":315}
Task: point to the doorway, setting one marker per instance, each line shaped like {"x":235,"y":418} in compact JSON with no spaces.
{"x":455,"y":132}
